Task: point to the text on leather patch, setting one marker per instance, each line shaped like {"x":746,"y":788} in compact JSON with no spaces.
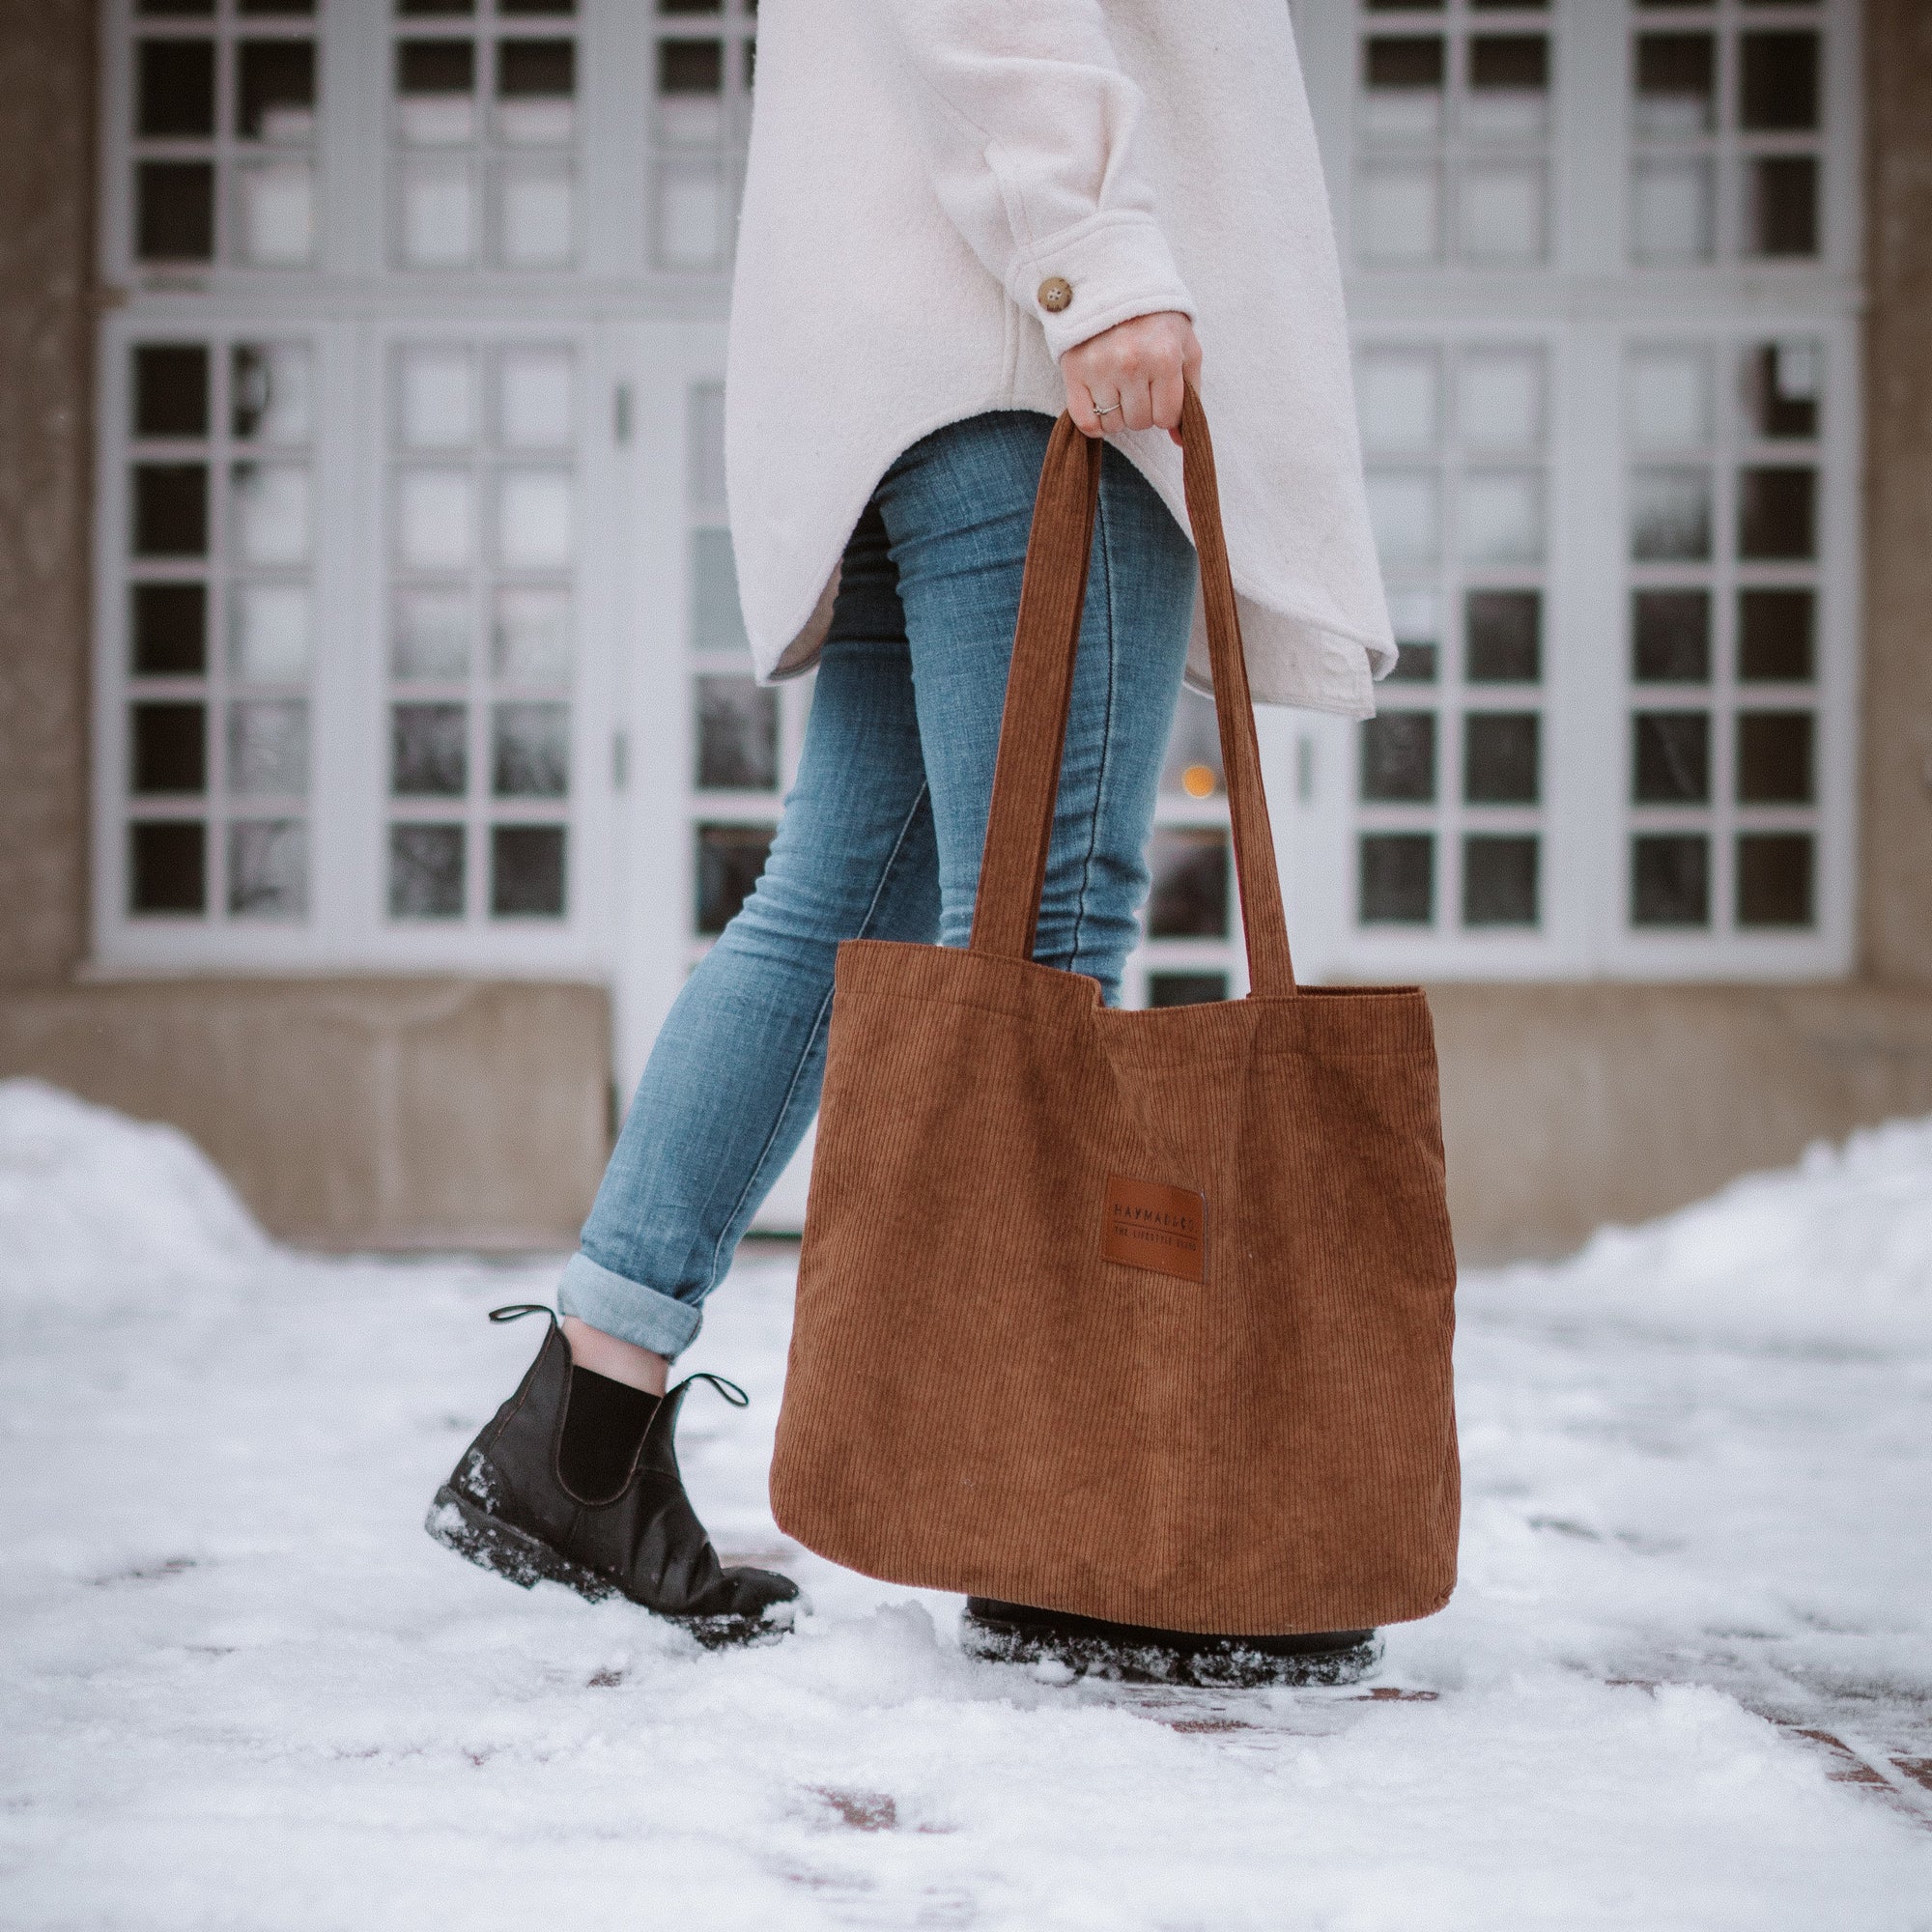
{"x":1150,"y":1225}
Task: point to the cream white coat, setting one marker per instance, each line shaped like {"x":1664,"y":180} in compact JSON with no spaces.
{"x":920,"y":167}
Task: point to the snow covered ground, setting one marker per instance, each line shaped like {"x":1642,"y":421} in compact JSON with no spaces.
{"x":1686,"y":1683}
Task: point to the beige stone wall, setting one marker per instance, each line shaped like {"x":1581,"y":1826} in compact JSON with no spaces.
{"x":1897,"y":820}
{"x":382,"y":1113}
{"x":46,"y":317}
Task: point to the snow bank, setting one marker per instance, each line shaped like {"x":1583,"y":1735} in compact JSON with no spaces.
{"x":93,"y":1203}
{"x":1834,"y":1251}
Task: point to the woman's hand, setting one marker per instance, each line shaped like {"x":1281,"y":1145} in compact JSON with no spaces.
{"x":1130,"y":375}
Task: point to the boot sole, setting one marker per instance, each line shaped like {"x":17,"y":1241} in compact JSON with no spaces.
{"x":1199,"y":1662}
{"x":527,"y":1560}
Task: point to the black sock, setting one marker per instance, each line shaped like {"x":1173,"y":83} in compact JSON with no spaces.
{"x":603,"y":1425}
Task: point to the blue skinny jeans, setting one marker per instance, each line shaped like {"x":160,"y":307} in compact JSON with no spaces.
{"x":881,"y":837}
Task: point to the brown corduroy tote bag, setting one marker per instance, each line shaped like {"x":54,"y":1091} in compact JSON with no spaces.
{"x":1145,"y":1315}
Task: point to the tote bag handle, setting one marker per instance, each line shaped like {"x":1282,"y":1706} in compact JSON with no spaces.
{"x":1039,"y":690}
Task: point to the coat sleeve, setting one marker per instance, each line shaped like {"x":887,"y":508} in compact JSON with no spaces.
{"x":1029,"y":128}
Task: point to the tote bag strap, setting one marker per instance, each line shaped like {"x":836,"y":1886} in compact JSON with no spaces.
{"x":1039,"y":690}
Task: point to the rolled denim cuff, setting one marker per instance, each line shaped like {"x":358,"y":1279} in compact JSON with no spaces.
{"x":626,"y":1308}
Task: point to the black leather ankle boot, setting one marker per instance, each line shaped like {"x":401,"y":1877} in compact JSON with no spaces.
{"x":510,"y":1504}
{"x":1137,"y":1654}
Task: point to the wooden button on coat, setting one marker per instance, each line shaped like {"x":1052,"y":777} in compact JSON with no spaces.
{"x":1055,"y":292}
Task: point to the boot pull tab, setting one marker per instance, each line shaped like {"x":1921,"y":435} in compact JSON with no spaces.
{"x":517,"y":1309}
{"x":730,"y":1390}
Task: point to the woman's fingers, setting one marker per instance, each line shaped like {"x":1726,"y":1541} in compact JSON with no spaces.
{"x":1080,"y":407}
{"x":1166,"y":398}
{"x":1130,"y":377}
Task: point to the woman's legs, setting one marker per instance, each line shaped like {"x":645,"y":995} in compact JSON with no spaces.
{"x":882,"y":838}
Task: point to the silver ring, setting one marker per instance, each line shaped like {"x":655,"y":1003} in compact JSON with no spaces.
{"x":1099,"y":411}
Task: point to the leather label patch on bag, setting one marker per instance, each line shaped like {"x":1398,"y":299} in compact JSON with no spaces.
{"x":1150,"y":1226}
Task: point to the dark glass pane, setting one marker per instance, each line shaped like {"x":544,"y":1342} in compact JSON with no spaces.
{"x":1189,"y":899}
{"x":167,"y":866}
{"x":268,"y":869}
{"x":690,"y":66}
{"x":1399,"y":757}
{"x":174,"y":210}
{"x":691,"y":6}
{"x":729,"y":860}
{"x":530,"y":754}
{"x":1774,"y":757}
{"x":536,"y":69}
{"x":1510,"y":6}
{"x":276,"y":8}
{"x":1671,"y":637}
{"x":1516,"y":63}
{"x":1672,"y":758}
{"x":1500,"y":880}
{"x":526,"y":871}
{"x":171,"y":389}
{"x":170,"y":509}
{"x":273,"y":79}
{"x":750,"y":51}
{"x":1781,"y":389}
{"x":1499,"y":757}
{"x":1415,"y":664}
{"x":1412,"y":61}
{"x":737,"y":735}
{"x":435,"y":66}
{"x":1398,"y":879}
{"x":429,"y":751}
{"x":1778,"y":514}
{"x":170,"y":748}
{"x":1405,"y":5}
{"x":425,"y":871}
{"x":1676,"y":83}
{"x":168,"y":626}
{"x":1186,"y":989}
{"x":1784,"y":205}
{"x":1779,"y":81}
{"x":1671,"y":879}
{"x":1774,"y":632}
{"x":1670,"y":515}
{"x":1504,"y":632}
{"x":175,"y":10}
{"x":516,"y":9}
{"x":175,"y":90}
{"x":1775,"y":870}
{"x":424,"y":8}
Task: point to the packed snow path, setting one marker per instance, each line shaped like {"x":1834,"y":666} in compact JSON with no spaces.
{"x":1685,"y":1682}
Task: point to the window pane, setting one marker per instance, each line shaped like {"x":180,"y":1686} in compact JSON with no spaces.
{"x":171,"y":389}
{"x":1774,"y":757}
{"x":1669,"y":399}
{"x":1186,"y":989}
{"x":268,"y":869}
{"x":539,"y":214}
{"x":690,"y":217}
{"x":704,"y":479}
{"x":1781,"y":383}
{"x":1399,"y":215}
{"x":1673,"y":211}
{"x":174,"y":89}
{"x":534,"y":518}
{"x":1774,"y":632}
{"x":536,"y":69}
{"x":1500,"y":517}
{"x":270,"y":507}
{"x":1399,"y":757}
{"x":431,"y":635}
{"x":1670,"y":515}
{"x":737,"y":735}
{"x":174,"y":212}
{"x":1676,"y":85}
{"x":169,"y":624}
{"x":425,"y":871}
{"x":429,"y":751}
{"x":276,"y":213}
{"x":439,"y":215}
{"x":1402,"y":80}
{"x":170,"y":509}
{"x":1671,"y":758}
{"x":268,"y":631}
{"x":1774,"y":879}
{"x":529,"y":636}
{"x":729,"y":860}
{"x":267,"y":748}
{"x":1499,"y":401}
{"x":1192,"y":766}
{"x":1501,"y":214}
{"x":167,"y":866}
{"x":1500,"y":880}
{"x":274,"y":90}
{"x":435,"y":518}
{"x":1189,"y":898}
{"x":1404,"y":510}
{"x":437,"y":397}
{"x":1509,"y":81}
{"x":1777,"y":81}
{"x":1670,"y":880}
{"x":1398,"y":879}
{"x":1500,"y":757}
{"x":717,"y":623}
{"x":534,"y":399}
{"x":1671,"y":637}
{"x":531,"y":750}
{"x":1504,"y":629}
{"x":1778,"y":514}
{"x":271,"y":396}
{"x":526,"y":871}
{"x":1781,"y":209}
{"x":170,"y":748}
{"x":1415,"y":616}
{"x":1396,"y":396}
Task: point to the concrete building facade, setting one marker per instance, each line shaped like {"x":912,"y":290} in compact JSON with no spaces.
{"x":376,"y":748}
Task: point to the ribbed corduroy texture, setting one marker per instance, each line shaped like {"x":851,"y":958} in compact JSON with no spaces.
{"x":978,"y":1400}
